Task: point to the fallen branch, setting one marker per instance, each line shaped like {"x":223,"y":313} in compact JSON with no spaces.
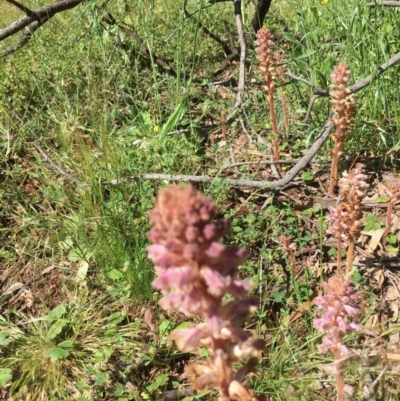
{"x":242,"y":62}
{"x":316,"y":89}
{"x":143,"y":49}
{"x":31,"y":22}
{"x":322,"y":137}
{"x":385,"y":3}
{"x":56,"y":167}
{"x":381,"y":69}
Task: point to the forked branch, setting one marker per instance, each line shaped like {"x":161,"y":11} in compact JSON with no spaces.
{"x":31,"y":22}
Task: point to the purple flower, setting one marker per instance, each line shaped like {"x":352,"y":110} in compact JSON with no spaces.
{"x":194,"y":273}
{"x":337,"y":315}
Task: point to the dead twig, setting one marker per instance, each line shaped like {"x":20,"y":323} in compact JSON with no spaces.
{"x":317,"y":90}
{"x":56,"y":167}
{"x":380,"y":70}
{"x":310,"y":106}
{"x":242,"y":62}
{"x":322,"y":137}
{"x":31,"y":22}
{"x":385,"y":4}
{"x":143,"y":49}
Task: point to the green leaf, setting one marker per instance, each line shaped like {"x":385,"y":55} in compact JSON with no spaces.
{"x":306,"y":176}
{"x":5,"y":376}
{"x":115,"y":318}
{"x":120,"y":390}
{"x":57,"y":312}
{"x":165,"y":327}
{"x":5,"y":338}
{"x":56,"y":328}
{"x":102,"y":377}
{"x":203,"y":352}
{"x":57,"y":353}
{"x":159,"y":381}
{"x":67,"y":344}
{"x":372,"y":222}
{"x":304,"y":56}
{"x":113,"y":274}
{"x":381,"y":199}
{"x":183,"y":325}
{"x":174,"y":118}
{"x":392,"y":239}
{"x":278,"y":296}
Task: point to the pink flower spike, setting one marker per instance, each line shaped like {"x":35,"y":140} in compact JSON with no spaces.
{"x":194,"y":273}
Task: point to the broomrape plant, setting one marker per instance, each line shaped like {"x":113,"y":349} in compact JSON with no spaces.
{"x":195,"y":273}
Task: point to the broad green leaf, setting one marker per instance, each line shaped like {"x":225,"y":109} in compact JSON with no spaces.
{"x":67,"y":344}
{"x":174,"y":118}
{"x":164,"y":327}
{"x":57,"y":312}
{"x":381,"y":199}
{"x":306,"y":176}
{"x":278,"y":295}
{"x":56,"y":328}
{"x":203,"y":352}
{"x":5,"y":376}
{"x":159,"y":381}
{"x":4,"y":338}
{"x":116,"y":318}
{"x":113,"y":274}
{"x":392,"y":239}
{"x":57,"y":353}
{"x":183,"y":325}
{"x":372,"y":222}
{"x":101,"y":378}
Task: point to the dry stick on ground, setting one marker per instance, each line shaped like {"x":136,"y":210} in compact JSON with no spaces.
{"x":143,"y":49}
{"x":230,"y":50}
{"x":385,"y":3}
{"x":242,"y":62}
{"x":31,"y":22}
{"x":322,"y":137}
{"x":318,"y":92}
{"x":56,"y":167}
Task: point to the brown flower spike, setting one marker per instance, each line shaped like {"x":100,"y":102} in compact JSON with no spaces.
{"x":343,"y":110}
{"x":265,"y":55}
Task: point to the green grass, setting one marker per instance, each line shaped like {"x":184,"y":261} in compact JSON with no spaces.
{"x":81,"y":91}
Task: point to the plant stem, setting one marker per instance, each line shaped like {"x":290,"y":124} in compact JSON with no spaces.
{"x":339,"y":257}
{"x":275,"y":140}
{"x":350,"y":253}
{"x":335,"y":161}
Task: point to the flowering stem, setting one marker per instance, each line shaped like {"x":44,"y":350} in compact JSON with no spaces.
{"x":275,"y":140}
{"x":339,"y":378}
{"x":339,"y":256}
{"x":194,"y":273}
{"x":335,"y":161}
{"x":350,"y":253}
